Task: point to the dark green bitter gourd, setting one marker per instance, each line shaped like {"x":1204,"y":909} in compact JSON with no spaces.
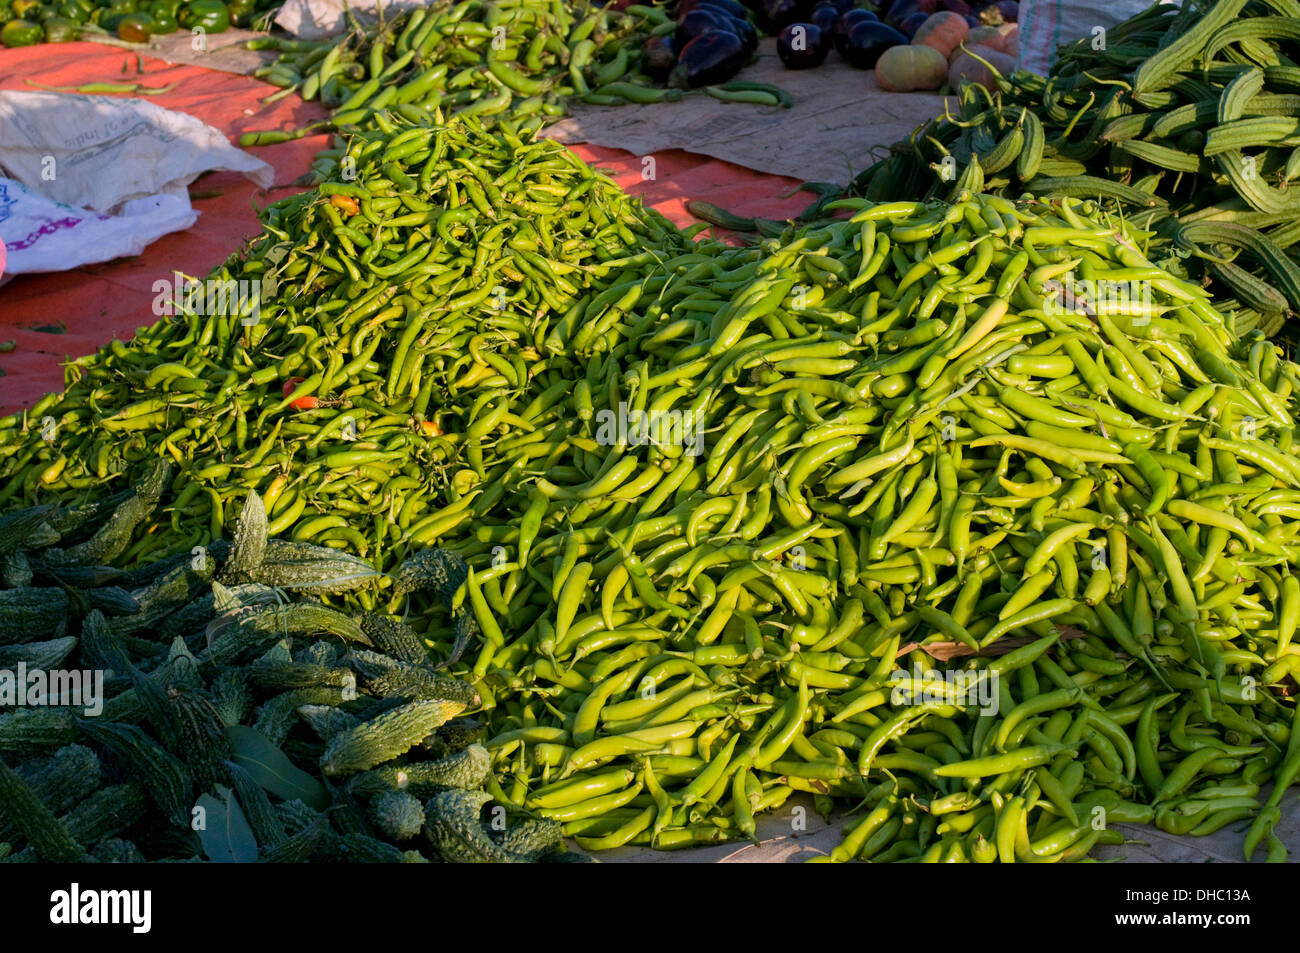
{"x":394,"y":638}
{"x":294,"y":565}
{"x":398,"y":815}
{"x":266,"y":824}
{"x":452,"y":826}
{"x":387,"y":736}
{"x":31,"y":612}
{"x":165,"y":777}
{"x":46,"y":833}
{"x":249,"y":542}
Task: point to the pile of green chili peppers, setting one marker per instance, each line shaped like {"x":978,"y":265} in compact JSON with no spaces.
{"x":514,"y":62}
{"x":727,"y":509}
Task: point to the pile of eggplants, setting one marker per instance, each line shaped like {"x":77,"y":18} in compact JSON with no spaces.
{"x":712,"y":41}
{"x":859,"y":32}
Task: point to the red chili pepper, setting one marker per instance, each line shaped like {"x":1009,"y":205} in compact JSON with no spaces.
{"x":302,"y":403}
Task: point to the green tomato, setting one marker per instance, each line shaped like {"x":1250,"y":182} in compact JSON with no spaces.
{"x":21,"y":33}
{"x":135,"y":28}
{"x":211,"y":15}
{"x":61,"y":30}
{"x":164,"y":22}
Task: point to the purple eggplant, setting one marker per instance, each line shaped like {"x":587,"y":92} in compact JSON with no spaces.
{"x":775,"y":15}
{"x":658,"y":57}
{"x":697,"y":22}
{"x":824,"y":17}
{"x":844,"y":26}
{"x":733,"y":8}
{"x":898,"y":11}
{"x":912,"y":23}
{"x":710,"y":58}
{"x":868,"y":41}
{"x":800,"y":46}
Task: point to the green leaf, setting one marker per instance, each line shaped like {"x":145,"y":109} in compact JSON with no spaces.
{"x":269,"y":767}
{"x":226,"y":836}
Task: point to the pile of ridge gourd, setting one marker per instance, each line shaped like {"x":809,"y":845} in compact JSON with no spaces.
{"x":1187,"y":121}
{"x":878,"y":444}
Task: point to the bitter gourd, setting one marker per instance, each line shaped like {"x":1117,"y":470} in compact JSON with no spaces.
{"x":16,"y":570}
{"x":106,"y":813}
{"x":394,"y":637}
{"x":263,"y":820}
{"x":45,"y":832}
{"x":327,"y":722}
{"x":231,"y":696}
{"x":531,"y":838}
{"x":453,"y":828}
{"x":249,"y":542}
{"x":295,"y":565}
{"x":387,"y":736}
{"x":112,"y":539}
{"x":165,"y":777}
{"x":37,"y":655}
{"x":431,"y":570}
{"x":60,"y":782}
{"x":31,"y":612}
{"x":115,"y":850}
{"x":277,"y":716}
{"x":417,"y":684}
{"x":358,"y":848}
{"x":398,"y":814}
{"x":467,"y":769}
{"x":16,"y":527}
{"x":29,"y":729}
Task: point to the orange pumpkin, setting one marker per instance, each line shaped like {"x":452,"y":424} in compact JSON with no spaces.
{"x":966,"y":66}
{"x":902,"y":69}
{"x":942,"y":31}
{"x":982,"y":36}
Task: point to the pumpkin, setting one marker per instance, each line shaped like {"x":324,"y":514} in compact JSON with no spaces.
{"x":966,"y":66}
{"x":902,"y":69}
{"x":942,"y":31}
{"x":981,"y":36}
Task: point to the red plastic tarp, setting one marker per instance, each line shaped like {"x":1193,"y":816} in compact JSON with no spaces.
{"x":51,"y":318}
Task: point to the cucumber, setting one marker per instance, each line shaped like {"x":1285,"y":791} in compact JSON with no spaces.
{"x":387,"y":736}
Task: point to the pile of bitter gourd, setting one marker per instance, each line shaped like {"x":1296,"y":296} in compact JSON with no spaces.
{"x":1185,"y":119}
{"x":723,"y":508}
{"x":202,"y":707}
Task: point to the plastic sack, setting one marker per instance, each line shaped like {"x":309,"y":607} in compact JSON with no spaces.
{"x":1046,"y":25}
{"x":86,"y":179}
